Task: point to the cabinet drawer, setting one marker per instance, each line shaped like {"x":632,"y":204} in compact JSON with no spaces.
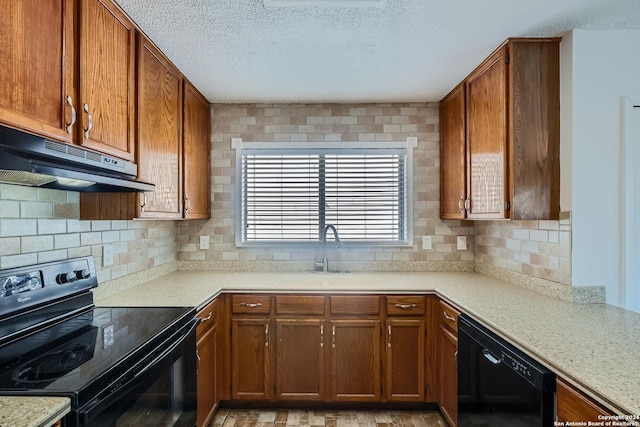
{"x":448,"y":316}
{"x":355,"y":304}
{"x":255,"y":304}
{"x":300,"y":304}
{"x":573,"y":405}
{"x":208,"y":317}
{"x":405,"y":305}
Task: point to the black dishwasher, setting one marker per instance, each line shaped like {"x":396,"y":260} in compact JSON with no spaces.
{"x":498,"y":385}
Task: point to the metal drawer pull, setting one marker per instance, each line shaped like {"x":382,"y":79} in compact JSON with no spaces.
{"x":389,"y":336}
{"x":204,"y":319}
{"x":446,"y":316}
{"x":321,"y":335}
{"x":73,"y":115}
{"x":405,"y":306}
{"x":251,"y":304}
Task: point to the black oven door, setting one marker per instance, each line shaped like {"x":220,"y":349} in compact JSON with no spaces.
{"x":160,"y":390}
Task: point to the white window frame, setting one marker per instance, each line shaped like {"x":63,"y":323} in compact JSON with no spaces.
{"x":239,"y":146}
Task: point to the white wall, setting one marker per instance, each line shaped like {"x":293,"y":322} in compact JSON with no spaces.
{"x":605,"y":68}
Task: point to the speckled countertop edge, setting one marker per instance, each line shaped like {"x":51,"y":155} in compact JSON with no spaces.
{"x":593,"y":346}
{"x":32,"y":411}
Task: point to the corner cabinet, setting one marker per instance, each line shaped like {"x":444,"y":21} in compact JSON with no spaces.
{"x":573,"y":406}
{"x":159,"y":132}
{"x":172,"y":134}
{"x":508,"y":110}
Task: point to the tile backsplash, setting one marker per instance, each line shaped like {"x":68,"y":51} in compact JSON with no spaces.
{"x":335,"y":123}
{"x":39,"y":225}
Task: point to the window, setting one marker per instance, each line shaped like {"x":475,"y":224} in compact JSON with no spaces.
{"x":288,"y":192}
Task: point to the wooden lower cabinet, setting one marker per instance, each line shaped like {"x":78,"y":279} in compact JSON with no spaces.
{"x":251,"y":359}
{"x":574,"y":406}
{"x":300,"y":359}
{"x":207,"y":351}
{"x":447,"y":355}
{"x":448,"y":375}
{"x":321,"y":348}
{"x":355,"y":360}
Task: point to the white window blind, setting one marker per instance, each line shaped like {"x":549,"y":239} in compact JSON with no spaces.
{"x":289,"y":194}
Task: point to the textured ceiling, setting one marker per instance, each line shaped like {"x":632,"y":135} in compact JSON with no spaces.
{"x":381,"y":50}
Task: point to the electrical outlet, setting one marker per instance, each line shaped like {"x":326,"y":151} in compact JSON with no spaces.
{"x":462,"y":243}
{"x":107,"y":255}
{"x":204,"y":242}
{"x":427,"y":244}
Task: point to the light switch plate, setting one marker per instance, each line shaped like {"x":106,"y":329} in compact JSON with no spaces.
{"x":462,"y":243}
{"x":427,"y":244}
{"x":204,"y":242}
{"x":107,"y":255}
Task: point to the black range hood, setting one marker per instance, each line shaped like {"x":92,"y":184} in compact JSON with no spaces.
{"x":35,"y":161}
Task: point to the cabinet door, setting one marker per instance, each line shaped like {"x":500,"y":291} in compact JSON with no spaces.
{"x":405,"y":360}
{"x":448,"y":346}
{"x":159,"y":132}
{"x":207,"y":375}
{"x":574,"y":406}
{"x":486,"y":91}
{"x":250,"y":354}
{"x":453,"y":189}
{"x":300,"y":359}
{"x":196,"y":137}
{"x":36,"y":55}
{"x":106,"y":78}
{"x":355,"y":360}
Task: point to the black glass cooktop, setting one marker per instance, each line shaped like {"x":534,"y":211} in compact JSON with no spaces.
{"x":87,"y":350}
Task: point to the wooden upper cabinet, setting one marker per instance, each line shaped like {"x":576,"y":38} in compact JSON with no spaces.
{"x":196,"y":136}
{"x":511,"y":127}
{"x":159,"y":132}
{"x":106,"y":79}
{"x":487,"y":138}
{"x":36,"y":66}
{"x":453,"y":186}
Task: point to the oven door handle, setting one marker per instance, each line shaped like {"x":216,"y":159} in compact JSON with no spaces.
{"x":107,"y":397}
{"x":490,"y":357}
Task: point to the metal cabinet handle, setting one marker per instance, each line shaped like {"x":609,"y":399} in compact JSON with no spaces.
{"x":461,"y":203}
{"x":143,"y":202}
{"x":89,"y":121}
{"x":388,"y":335}
{"x":251,"y":304}
{"x":333,"y":334}
{"x":321,"y":336}
{"x":455,"y":358}
{"x":446,"y":316}
{"x":266,"y":335}
{"x":467,"y":203}
{"x":73,"y":115}
{"x":187,"y":203}
{"x":405,"y":306}
{"x":204,"y":319}
{"x":198,"y":368}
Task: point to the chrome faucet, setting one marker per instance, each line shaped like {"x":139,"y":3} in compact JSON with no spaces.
{"x":324,"y":264}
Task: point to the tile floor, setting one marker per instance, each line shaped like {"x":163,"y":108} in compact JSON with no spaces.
{"x":339,"y":418}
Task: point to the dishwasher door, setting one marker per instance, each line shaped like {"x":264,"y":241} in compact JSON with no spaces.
{"x":498,"y":385}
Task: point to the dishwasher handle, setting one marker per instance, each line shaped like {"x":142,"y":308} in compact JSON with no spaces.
{"x":491,"y":357}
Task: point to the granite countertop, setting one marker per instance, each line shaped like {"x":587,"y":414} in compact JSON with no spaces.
{"x":593,"y":346}
{"x":32,"y":411}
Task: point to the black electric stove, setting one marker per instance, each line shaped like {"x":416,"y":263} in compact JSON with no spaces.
{"x":119,"y":365}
